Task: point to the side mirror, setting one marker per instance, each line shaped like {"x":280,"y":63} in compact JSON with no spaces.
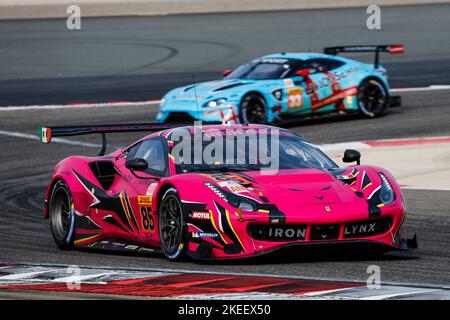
{"x":227,"y":72}
{"x":303,"y":73}
{"x":136,"y":164}
{"x":351,"y":155}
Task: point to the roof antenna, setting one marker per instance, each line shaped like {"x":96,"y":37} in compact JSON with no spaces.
{"x":195,"y":94}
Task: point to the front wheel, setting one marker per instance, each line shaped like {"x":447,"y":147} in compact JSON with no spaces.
{"x":253,"y":109}
{"x":372,"y":98}
{"x":61,"y":215}
{"x":172,"y":226}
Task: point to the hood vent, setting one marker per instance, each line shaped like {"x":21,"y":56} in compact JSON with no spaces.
{"x":229,"y":86}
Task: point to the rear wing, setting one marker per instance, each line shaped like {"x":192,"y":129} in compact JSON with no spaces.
{"x":47,"y":133}
{"x":390,"y":48}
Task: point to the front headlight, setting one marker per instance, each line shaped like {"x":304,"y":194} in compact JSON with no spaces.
{"x":238,"y":202}
{"x":242,"y":203}
{"x":278,"y":94}
{"x":215,"y":103}
{"x":387,"y":194}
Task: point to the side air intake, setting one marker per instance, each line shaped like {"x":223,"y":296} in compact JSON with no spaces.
{"x":104,"y":171}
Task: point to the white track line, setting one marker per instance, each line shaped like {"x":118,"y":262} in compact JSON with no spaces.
{"x":395,"y":295}
{"x":157,"y":102}
{"x":83,"y":105}
{"x":429,"y":88}
{"x":82,"y":278}
{"x":358,"y":145}
{"x":57,"y":140}
{"x":424,"y":188}
{"x":323,"y":292}
{"x":26,"y":275}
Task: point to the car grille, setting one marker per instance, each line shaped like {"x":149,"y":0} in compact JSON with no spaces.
{"x":367,"y":228}
{"x":277,"y":232}
{"x":324,"y":232}
{"x":319,"y":232}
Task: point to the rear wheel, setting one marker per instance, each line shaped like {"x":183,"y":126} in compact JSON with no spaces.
{"x":62,"y":219}
{"x":372,"y":98}
{"x":253,"y":109}
{"x":172,"y":226}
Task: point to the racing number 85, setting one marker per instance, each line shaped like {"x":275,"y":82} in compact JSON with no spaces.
{"x":148,"y":222}
{"x":295,"y":98}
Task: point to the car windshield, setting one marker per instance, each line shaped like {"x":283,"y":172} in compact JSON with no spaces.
{"x":238,"y":150}
{"x":264,"y":69}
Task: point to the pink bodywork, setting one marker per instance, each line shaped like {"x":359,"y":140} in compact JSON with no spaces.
{"x":309,"y":197}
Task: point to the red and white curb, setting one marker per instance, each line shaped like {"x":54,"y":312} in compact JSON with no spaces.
{"x":181,"y":284}
{"x":383,"y":143}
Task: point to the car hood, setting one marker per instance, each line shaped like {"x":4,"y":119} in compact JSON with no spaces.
{"x":207,"y":90}
{"x":305,"y":186}
{"x":305,"y":191}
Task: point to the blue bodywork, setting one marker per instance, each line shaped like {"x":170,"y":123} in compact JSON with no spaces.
{"x":323,"y":91}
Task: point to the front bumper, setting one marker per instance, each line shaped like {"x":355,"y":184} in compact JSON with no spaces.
{"x":248,"y":244}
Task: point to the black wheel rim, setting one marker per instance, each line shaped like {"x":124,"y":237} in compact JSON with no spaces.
{"x":372,"y":98}
{"x":60,"y":214}
{"x":254,"y":111}
{"x":171,"y":224}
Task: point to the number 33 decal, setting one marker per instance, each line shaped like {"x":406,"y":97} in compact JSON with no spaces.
{"x":295,"y":98}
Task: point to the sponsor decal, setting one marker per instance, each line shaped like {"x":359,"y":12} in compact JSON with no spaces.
{"x":118,"y":244}
{"x":327,"y":209}
{"x":352,"y":91}
{"x":289,"y":83}
{"x":145,"y":200}
{"x":227,"y":177}
{"x":204,"y":235}
{"x":151,"y":189}
{"x":365,"y":228}
{"x":233,"y":186}
{"x":46,"y":135}
{"x":287,"y":233}
{"x":277,"y":108}
{"x":201,"y":215}
{"x":131,"y":247}
{"x":146,"y":250}
{"x":229,"y":115}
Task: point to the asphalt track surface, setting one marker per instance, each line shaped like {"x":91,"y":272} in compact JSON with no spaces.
{"x":35,"y":50}
{"x":136,"y":59}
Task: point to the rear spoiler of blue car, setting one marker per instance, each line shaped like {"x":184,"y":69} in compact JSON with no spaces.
{"x":47,"y":133}
{"x":389,"y":48}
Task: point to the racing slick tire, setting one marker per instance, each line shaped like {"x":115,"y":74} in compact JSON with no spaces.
{"x":253,"y":109}
{"x":372,"y":98}
{"x":172,"y":226}
{"x":61,"y":215}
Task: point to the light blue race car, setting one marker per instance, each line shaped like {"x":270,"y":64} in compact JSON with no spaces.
{"x":282,"y":87}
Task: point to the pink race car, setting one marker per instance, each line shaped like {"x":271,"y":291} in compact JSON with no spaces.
{"x":218,"y":192}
